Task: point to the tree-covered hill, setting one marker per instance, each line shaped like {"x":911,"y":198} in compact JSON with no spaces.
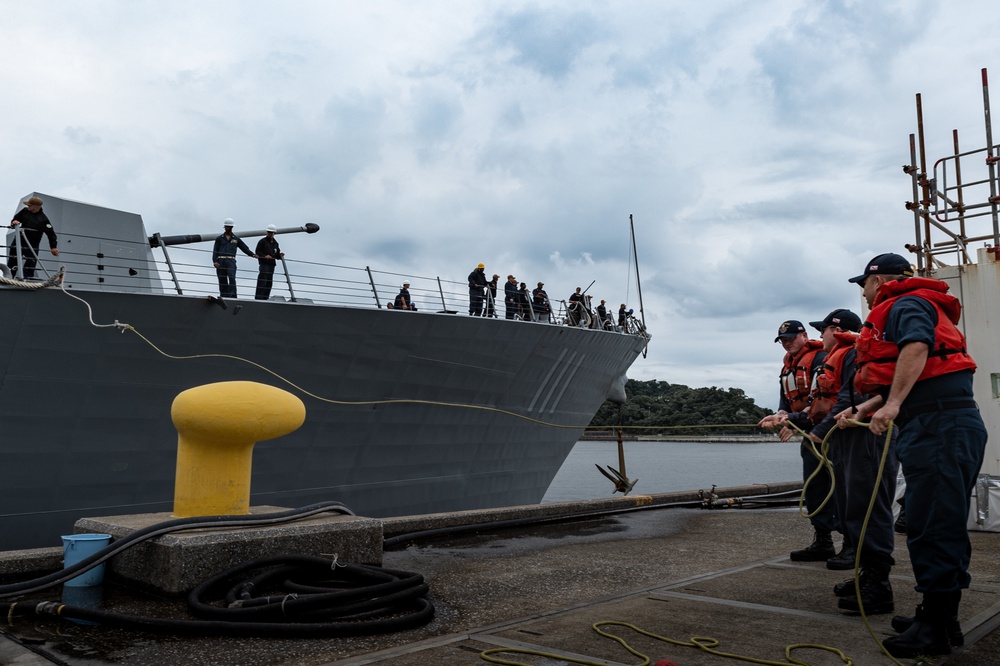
{"x":661,"y":406}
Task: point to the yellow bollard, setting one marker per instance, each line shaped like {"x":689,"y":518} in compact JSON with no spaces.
{"x":217,"y":426}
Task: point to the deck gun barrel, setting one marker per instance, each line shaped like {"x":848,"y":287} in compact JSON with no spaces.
{"x":157,"y":240}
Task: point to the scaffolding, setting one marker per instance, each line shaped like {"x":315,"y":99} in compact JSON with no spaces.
{"x":947,"y":206}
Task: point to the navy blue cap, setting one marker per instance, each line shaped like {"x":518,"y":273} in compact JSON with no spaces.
{"x":843,"y":318}
{"x":885,"y":264}
{"x":790,"y":329}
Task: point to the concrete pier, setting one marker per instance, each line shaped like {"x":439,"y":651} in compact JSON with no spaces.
{"x":675,"y":573}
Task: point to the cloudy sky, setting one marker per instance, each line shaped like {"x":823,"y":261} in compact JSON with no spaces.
{"x":757,"y":145}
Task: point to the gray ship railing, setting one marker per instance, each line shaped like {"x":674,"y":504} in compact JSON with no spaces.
{"x":188,"y":270}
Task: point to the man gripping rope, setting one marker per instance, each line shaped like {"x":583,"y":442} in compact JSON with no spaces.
{"x":31,"y":223}
{"x":913,"y":356}
{"x":803,"y":360}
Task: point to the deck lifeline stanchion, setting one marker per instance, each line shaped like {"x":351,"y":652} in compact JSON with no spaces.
{"x":288,"y":278}
{"x":444,"y":304}
{"x":20,"y":253}
{"x":371,"y":281}
{"x":170,"y":265}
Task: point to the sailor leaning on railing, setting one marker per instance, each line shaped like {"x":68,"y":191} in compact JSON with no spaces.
{"x":30,"y":223}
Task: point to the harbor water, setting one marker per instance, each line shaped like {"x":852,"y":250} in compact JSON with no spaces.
{"x":663,"y":467}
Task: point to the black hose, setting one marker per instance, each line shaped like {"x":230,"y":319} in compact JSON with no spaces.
{"x":288,"y":596}
{"x":786,"y":501}
{"x":166,"y":527}
{"x":410,"y":537}
{"x":292,"y":595}
{"x":400,"y":539}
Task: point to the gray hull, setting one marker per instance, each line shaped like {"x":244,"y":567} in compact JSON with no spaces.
{"x":85,"y":411}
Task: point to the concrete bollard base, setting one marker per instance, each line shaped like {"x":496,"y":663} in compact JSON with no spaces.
{"x":174,"y":564}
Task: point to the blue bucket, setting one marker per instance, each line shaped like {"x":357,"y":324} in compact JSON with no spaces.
{"x":77,"y":547}
{"x":91,"y":598}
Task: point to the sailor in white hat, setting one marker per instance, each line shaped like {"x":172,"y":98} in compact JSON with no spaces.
{"x":268,"y":254}
{"x":224,"y":258}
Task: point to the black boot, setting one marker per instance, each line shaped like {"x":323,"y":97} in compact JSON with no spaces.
{"x":843,"y":560}
{"x":955,"y":636}
{"x":844,"y":589}
{"x":876,"y":591}
{"x":928,"y":634}
{"x":901,"y":624}
{"x":819,"y":550}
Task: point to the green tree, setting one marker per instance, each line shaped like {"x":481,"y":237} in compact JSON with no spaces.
{"x":655,"y":407}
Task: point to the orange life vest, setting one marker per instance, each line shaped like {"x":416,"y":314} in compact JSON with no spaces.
{"x":795,"y":379}
{"x":876,"y":358}
{"x":828,"y":381}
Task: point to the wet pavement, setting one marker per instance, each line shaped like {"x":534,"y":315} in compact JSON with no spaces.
{"x":675,"y":573}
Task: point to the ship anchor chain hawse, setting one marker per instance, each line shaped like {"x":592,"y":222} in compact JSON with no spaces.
{"x":405,"y":417}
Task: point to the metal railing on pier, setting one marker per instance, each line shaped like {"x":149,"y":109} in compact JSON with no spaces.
{"x":960,"y":192}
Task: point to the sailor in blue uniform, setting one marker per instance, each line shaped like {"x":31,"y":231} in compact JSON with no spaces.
{"x":477,"y":289}
{"x":224,"y":259}
{"x":913,"y":355}
{"x":33,"y":223}
{"x":268,"y":252}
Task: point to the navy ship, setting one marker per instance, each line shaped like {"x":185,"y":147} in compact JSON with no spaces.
{"x":407,"y":412}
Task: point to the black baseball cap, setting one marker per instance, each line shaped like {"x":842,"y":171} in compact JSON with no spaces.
{"x":885,"y":264}
{"x":790,"y":329}
{"x":843,"y":318}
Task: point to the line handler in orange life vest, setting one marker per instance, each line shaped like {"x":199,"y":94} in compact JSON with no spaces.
{"x":803,"y":360}
{"x":855,"y":453}
{"x":914,"y":358}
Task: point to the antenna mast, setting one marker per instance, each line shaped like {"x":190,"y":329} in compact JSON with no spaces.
{"x":638,"y":283}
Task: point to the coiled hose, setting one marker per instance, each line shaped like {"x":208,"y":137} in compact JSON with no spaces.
{"x":291,"y":596}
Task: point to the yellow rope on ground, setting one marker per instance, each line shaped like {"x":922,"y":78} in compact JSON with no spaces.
{"x":706,"y":644}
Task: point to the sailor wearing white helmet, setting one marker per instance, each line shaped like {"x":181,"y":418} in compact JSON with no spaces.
{"x":268,"y":254}
{"x":403,"y":300}
{"x":224,"y":258}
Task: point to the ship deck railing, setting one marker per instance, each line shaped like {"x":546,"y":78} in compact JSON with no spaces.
{"x":188,"y":271}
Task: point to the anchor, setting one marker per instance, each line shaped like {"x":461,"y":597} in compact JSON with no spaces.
{"x":622,"y":483}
